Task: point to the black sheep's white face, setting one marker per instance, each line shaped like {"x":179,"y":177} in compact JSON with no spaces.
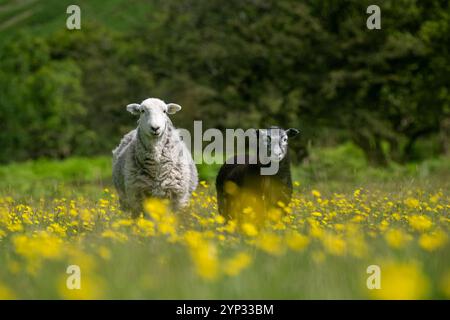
{"x":274,"y":140}
{"x":153,"y":115}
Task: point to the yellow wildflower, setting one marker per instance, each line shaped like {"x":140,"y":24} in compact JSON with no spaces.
{"x":249,"y":229}
{"x":420,"y":222}
{"x":270,"y":243}
{"x":412,"y":203}
{"x":334,"y":244}
{"x":297,"y":241}
{"x":316,"y":193}
{"x":404,"y":281}
{"x":157,"y":208}
{"x":235,"y":265}
{"x":396,"y":238}
{"x":433,"y":240}
{"x":6,"y":293}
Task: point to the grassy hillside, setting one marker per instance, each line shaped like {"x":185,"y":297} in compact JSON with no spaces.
{"x":43,"y":17}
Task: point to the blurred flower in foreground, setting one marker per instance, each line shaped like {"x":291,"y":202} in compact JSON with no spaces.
{"x":157,"y":208}
{"x":249,"y":229}
{"x":412,"y":203}
{"x":235,"y":265}
{"x":396,"y":238}
{"x":38,"y":246}
{"x":433,"y":240}
{"x":297,"y":241}
{"x":160,"y":212}
{"x":420,"y":223}
{"x":316,"y":193}
{"x":402,"y":281}
{"x":270,"y":243}
{"x":91,"y":288}
{"x":334,"y":245}
{"x":6,"y":293}
{"x":204,"y":255}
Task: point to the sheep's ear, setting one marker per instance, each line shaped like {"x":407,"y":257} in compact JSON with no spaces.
{"x":173,"y":108}
{"x":134,"y":108}
{"x":291,"y":132}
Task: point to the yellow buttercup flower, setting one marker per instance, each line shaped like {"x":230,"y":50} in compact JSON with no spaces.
{"x":157,"y":208}
{"x":316,"y":193}
{"x":204,"y":255}
{"x":146,"y":227}
{"x":334,"y":244}
{"x":6,"y":293}
{"x":420,"y":222}
{"x":91,"y":288}
{"x":297,"y":241}
{"x":236,"y":264}
{"x":433,"y":241}
{"x":412,"y":203}
{"x":42,"y":245}
{"x":249,"y":229}
{"x":405,"y":281}
{"x":270,"y":243}
{"x":397,"y":238}
{"x":115,"y":235}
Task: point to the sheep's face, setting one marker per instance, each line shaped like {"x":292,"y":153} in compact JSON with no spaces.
{"x":274,"y":140}
{"x":153,"y":115}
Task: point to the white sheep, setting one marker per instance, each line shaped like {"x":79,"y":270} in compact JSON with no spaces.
{"x":152,"y":160}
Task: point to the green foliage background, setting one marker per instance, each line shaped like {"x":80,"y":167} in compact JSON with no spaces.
{"x":240,"y":63}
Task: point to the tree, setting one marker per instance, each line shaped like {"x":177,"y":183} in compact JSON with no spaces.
{"x":41,"y":100}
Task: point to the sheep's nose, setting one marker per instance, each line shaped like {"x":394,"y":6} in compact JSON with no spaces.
{"x":154,"y":129}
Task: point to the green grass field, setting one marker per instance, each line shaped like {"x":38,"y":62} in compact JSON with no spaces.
{"x":45,"y":17}
{"x":344,"y":217}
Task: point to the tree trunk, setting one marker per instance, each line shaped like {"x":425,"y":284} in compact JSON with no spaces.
{"x":372,"y":149}
{"x":444,"y":136}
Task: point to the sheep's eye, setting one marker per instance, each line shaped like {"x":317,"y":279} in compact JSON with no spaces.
{"x":142,"y":111}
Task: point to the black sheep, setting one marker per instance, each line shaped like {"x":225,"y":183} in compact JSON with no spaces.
{"x":242,"y":185}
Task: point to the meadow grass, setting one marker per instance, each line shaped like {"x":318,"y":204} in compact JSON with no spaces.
{"x":44,"y":17}
{"x":342,"y":219}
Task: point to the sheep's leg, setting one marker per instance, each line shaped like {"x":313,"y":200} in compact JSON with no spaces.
{"x":226,"y":208}
{"x":126,"y":207}
{"x":136,"y":213}
{"x":136,"y":205}
{"x":179,"y":203}
{"x":123,"y":204}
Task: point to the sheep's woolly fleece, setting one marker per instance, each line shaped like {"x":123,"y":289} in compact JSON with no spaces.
{"x":161,"y":168}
